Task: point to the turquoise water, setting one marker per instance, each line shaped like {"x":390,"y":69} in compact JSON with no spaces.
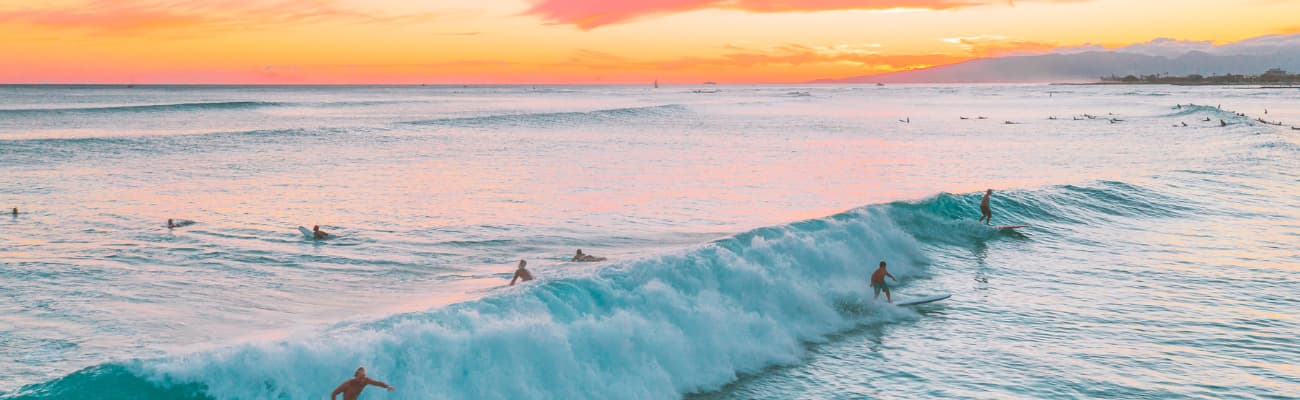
{"x":1160,"y":261}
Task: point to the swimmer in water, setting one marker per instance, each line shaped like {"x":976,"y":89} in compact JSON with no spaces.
{"x":521,"y":273}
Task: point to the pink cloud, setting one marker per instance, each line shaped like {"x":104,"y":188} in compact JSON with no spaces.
{"x":134,"y":16}
{"x":590,"y":14}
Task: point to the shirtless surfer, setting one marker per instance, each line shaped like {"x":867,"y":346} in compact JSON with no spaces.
{"x":351,"y":389}
{"x":878,"y":282}
{"x":318,"y":234}
{"x":521,"y":273}
{"x":986,"y":213}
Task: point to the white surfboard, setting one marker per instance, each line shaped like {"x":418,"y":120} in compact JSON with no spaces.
{"x":307,"y":232}
{"x":923,"y":300}
{"x":1001,"y":227}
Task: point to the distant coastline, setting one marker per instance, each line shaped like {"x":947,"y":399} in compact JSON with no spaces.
{"x":1275,"y":78}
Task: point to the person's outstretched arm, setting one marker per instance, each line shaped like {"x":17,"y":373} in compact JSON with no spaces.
{"x":512,"y":280}
{"x":891,"y":276}
{"x":380,"y":384}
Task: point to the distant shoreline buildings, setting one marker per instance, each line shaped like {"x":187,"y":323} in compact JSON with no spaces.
{"x":1272,"y":77}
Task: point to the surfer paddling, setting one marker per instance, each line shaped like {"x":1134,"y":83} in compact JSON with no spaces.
{"x":15,"y":211}
{"x":318,"y":234}
{"x":170,"y":224}
{"x":582,"y":257}
{"x":521,"y":273}
{"x":351,"y":390}
{"x":878,"y":283}
{"x":986,"y":213}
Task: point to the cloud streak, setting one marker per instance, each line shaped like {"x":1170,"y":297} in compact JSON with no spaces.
{"x":591,"y":14}
{"x":997,"y":46}
{"x":128,"y":17}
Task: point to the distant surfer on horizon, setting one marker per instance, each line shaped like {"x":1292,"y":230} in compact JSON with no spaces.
{"x":580,"y":257}
{"x":521,"y":273}
{"x":318,"y":234}
{"x":170,"y":224}
{"x":351,"y":389}
{"x":986,"y":213}
{"x":878,"y":283}
{"x":15,"y":211}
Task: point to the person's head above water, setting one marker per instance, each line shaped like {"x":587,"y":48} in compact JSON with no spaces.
{"x":579,"y":252}
{"x":990,"y":191}
{"x":315,"y":227}
{"x":522,"y":263}
{"x":882,"y":264}
{"x":361,"y":372}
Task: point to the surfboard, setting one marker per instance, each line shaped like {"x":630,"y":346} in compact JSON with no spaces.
{"x":307,"y":232}
{"x":923,"y":300}
{"x":1000,"y":227}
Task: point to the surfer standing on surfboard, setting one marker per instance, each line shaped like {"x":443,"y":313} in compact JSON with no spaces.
{"x":986,"y":213}
{"x":878,"y":282}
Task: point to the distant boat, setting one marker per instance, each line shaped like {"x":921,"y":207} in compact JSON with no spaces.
{"x":656,"y":83}
{"x":879,"y":84}
{"x":710,"y":83}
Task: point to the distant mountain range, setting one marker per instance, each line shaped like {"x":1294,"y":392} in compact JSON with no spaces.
{"x":1089,"y":64}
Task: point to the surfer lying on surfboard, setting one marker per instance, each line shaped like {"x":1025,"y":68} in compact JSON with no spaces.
{"x":878,"y":282}
{"x":583,"y":257}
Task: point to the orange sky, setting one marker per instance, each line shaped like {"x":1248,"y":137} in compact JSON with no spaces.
{"x":574,"y":41}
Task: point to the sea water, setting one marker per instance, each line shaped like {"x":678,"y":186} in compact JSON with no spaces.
{"x":741,"y":226}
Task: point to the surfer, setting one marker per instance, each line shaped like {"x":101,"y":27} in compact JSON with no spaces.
{"x":521,"y":273}
{"x":351,"y":389}
{"x":15,"y":211}
{"x":580,"y":257}
{"x":318,"y":234}
{"x":878,"y":283}
{"x":170,"y":224}
{"x":1221,"y":123}
{"x":986,"y":213}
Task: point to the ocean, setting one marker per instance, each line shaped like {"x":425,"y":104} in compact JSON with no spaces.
{"x":741,"y":225}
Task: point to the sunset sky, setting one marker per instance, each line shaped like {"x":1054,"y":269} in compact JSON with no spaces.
{"x":575,"y":41}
